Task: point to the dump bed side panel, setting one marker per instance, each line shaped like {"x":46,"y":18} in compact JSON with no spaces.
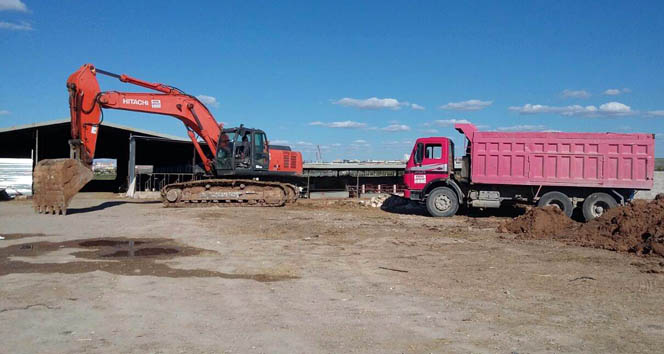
{"x":564,"y":159}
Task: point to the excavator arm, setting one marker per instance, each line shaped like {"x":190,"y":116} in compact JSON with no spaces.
{"x":86,"y":102}
{"x":56,"y":181}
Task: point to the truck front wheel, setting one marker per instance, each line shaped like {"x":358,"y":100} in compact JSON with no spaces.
{"x":559,"y":200}
{"x":597,"y":204}
{"x":442,"y":201}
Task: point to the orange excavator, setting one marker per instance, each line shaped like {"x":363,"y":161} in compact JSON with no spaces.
{"x":243,"y":168}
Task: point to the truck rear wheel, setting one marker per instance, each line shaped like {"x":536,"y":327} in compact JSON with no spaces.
{"x":442,"y":201}
{"x":597,"y":204}
{"x":557,"y":199}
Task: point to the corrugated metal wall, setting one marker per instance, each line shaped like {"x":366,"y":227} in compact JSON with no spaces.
{"x":16,"y":176}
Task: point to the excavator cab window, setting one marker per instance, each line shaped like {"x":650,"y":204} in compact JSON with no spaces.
{"x":243,"y":150}
{"x":261,"y":154}
{"x":226,"y":147}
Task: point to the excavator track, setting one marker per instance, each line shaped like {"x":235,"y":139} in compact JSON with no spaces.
{"x":228,"y":193}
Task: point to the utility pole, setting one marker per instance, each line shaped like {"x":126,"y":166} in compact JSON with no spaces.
{"x":319,"y":154}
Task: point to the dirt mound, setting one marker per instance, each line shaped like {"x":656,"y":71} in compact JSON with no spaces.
{"x":637,"y":227}
{"x":538,"y":223}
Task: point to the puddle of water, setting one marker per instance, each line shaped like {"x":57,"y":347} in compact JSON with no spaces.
{"x":108,"y":243}
{"x":120,"y":256}
{"x":143,"y":252}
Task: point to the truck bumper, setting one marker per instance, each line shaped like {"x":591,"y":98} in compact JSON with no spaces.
{"x":412,"y":194}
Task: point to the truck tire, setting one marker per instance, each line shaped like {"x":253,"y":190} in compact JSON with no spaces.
{"x":596,"y":204}
{"x":557,"y":199}
{"x":442,"y":201}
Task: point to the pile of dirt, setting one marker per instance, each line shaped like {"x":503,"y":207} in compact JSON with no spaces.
{"x":538,"y":223}
{"x":637,"y":227}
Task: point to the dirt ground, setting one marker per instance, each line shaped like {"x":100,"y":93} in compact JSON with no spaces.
{"x":122,"y":276}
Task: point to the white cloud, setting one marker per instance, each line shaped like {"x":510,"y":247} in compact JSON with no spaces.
{"x":430,"y":131}
{"x":377,"y":103}
{"x":470,"y":105}
{"x":616,"y":92}
{"x":13,"y":5}
{"x":370,"y":103}
{"x":304,"y":143}
{"x":615,"y":108}
{"x":521,"y":127}
{"x":347,"y":124}
{"x":208,"y":100}
{"x":22,"y":26}
{"x":658,"y":113}
{"x":4,"y":112}
{"x":396,"y":128}
{"x":575,"y":94}
{"x":360,"y":141}
{"x":398,"y":143}
{"x":449,"y":122}
{"x":279,"y":142}
{"x":606,"y":109}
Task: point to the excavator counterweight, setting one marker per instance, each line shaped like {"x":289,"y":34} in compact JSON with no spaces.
{"x":228,"y":154}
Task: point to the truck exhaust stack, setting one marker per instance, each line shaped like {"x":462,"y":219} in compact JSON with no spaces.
{"x":56,"y":181}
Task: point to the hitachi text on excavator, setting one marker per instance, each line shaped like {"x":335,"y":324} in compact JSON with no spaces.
{"x":243,"y":168}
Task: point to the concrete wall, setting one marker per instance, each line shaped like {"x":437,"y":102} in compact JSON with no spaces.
{"x":657,"y":188}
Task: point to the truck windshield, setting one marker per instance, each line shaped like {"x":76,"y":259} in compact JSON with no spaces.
{"x":419,"y":153}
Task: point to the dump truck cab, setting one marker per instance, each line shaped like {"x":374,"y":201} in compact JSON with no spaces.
{"x":431,"y":166}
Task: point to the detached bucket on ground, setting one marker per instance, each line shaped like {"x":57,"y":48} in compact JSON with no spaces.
{"x":56,"y":181}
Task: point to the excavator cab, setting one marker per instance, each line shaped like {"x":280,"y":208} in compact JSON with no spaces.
{"x":242,"y":150}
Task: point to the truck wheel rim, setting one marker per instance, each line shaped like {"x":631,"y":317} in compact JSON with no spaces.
{"x":442,"y":202}
{"x":599,"y":208}
{"x":556,"y":204}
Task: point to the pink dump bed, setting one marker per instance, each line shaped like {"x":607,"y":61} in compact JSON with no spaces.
{"x":563,"y":159}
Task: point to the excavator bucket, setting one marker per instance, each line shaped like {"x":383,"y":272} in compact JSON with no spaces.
{"x":56,"y":181}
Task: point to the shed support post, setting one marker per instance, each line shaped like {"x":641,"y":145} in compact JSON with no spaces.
{"x":131,"y":188}
{"x":193,"y":160}
{"x":36,"y":145}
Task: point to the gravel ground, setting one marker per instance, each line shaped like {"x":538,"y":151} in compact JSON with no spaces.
{"x":121,"y":276}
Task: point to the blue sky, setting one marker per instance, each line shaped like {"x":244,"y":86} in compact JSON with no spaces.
{"x":361,"y":79}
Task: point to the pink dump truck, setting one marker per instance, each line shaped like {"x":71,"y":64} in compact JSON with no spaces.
{"x":594,"y":171}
